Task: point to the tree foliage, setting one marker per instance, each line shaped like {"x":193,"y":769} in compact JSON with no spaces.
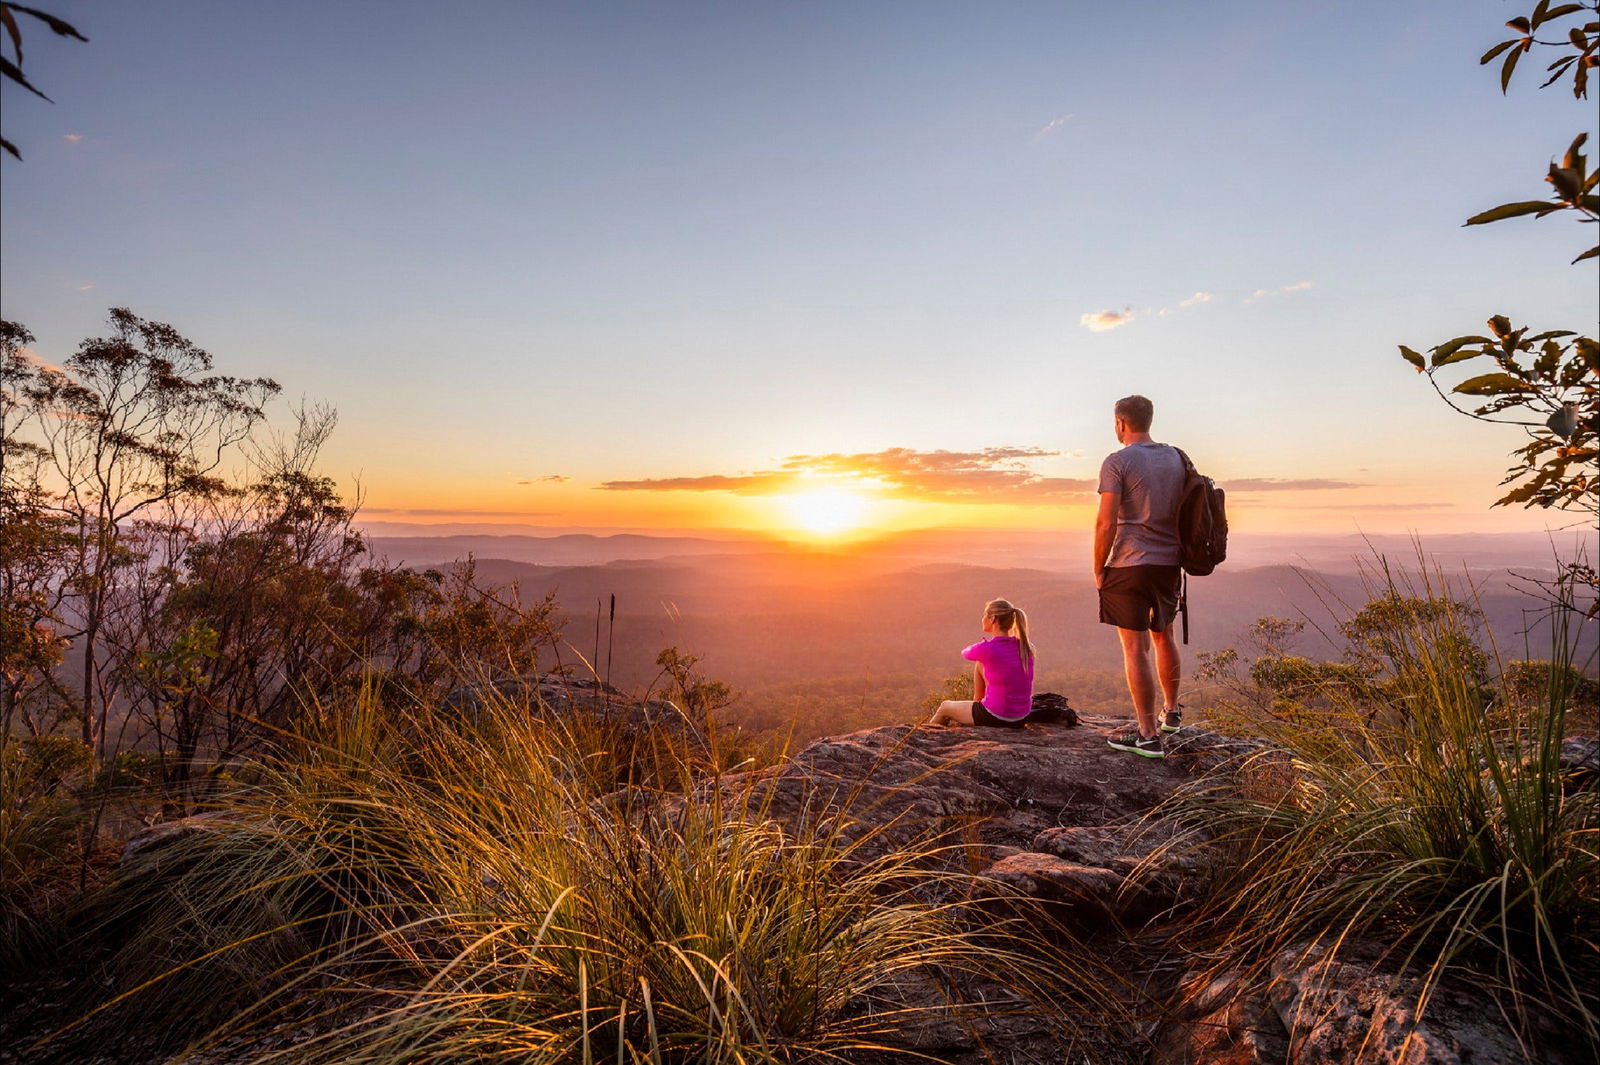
{"x":194,"y":576}
{"x":11,"y":69}
{"x":1546,"y":382}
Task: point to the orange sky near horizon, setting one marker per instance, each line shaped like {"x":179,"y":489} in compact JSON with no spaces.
{"x":873,"y":510}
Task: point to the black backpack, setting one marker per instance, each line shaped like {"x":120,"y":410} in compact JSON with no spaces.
{"x":1202,"y":522}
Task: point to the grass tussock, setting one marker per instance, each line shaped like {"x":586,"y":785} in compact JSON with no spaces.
{"x":413,"y":887}
{"x":1425,"y":813}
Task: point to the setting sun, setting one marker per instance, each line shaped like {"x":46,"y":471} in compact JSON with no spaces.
{"x":826,"y":511}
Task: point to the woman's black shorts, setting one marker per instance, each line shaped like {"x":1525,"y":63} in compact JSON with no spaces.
{"x":982,"y":716}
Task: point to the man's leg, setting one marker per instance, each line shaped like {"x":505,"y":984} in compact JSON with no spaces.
{"x":1169,"y":666}
{"x":1139,"y":664}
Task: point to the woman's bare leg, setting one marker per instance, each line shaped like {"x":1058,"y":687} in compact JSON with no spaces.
{"x":955,"y":711}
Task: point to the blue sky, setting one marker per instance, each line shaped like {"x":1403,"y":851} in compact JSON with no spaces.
{"x":622,"y":243}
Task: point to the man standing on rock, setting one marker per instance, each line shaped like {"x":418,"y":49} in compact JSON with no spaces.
{"x":1136,"y":570}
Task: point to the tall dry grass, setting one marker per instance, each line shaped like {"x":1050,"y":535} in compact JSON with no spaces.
{"x":1429,"y":816}
{"x":415,"y":887}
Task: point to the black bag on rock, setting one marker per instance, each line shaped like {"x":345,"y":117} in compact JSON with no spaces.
{"x":1050,"y":708}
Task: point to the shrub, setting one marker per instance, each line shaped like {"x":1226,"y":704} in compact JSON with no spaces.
{"x":1418,"y":819}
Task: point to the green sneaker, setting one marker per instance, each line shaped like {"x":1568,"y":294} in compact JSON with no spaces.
{"x":1134,"y":743}
{"x":1172,"y":720}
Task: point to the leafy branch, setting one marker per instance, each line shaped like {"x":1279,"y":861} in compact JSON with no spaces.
{"x":1547,"y":383}
{"x":12,"y":70}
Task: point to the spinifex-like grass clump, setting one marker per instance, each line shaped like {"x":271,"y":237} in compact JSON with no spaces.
{"x":415,"y":888}
{"x":1430,"y":817}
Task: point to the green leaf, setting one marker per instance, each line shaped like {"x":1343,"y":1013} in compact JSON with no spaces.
{"x":1590,"y":254}
{"x":1572,"y":160}
{"x":61,"y":27}
{"x":1568,"y":182}
{"x":1548,"y":360}
{"x":1522,"y":494}
{"x":1588,"y":353}
{"x":1512,"y":210}
{"x":1497,"y":49}
{"x":1460,"y":355}
{"x":1507,"y":67}
{"x":1412,"y":357}
{"x":1538,"y":14}
{"x":1520,"y":24}
{"x":11,"y":27}
{"x":1558,"y":68}
{"x":1450,"y":347}
{"x":1492,"y":384}
{"x":1561,"y":12}
{"x":9,"y":69}
{"x":1500,"y":325}
{"x":1553,"y":334}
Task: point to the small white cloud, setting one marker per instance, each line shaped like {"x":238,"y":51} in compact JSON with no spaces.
{"x":1262,"y":293}
{"x":1051,"y":126}
{"x":73,"y":138}
{"x":1197,"y":299}
{"x":1105,"y":321}
{"x":86,"y":286}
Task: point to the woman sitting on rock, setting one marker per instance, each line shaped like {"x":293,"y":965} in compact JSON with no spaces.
{"x":1002,"y":676}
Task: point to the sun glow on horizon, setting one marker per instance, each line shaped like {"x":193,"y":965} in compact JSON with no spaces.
{"x":827,"y":511}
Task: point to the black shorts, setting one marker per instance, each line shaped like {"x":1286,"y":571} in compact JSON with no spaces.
{"x":982,"y":716}
{"x":1140,"y":597}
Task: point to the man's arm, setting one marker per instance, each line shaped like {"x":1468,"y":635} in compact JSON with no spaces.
{"x":1105,"y":531}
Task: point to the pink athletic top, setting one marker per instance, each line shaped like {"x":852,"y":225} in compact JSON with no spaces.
{"x":1007,"y":680}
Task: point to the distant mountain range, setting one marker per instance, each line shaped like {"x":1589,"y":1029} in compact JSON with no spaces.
{"x":1065,"y":551}
{"x":761,"y":613}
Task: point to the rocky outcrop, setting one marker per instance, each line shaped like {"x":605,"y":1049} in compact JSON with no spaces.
{"x":1047,"y":811}
{"x":1051,"y":813}
{"x":1314,"y":1009}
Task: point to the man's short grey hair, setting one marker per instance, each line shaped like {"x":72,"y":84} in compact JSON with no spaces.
{"x":1137,"y":411}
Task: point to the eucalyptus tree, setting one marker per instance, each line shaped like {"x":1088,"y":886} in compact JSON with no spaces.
{"x":130,"y":423}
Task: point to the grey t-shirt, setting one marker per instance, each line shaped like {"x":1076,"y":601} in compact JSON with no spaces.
{"x":1149,"y":477}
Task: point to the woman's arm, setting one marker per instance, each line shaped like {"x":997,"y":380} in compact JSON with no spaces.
{"x":979,"y":686}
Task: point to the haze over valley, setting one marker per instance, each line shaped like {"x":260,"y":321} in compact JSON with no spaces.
{"x":857,"y":635}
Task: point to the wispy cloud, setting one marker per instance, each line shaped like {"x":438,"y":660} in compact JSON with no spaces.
{"x":1397,"y":507}
{"x":992,"y":475}
{"x":751,"y":484}
{"x":549,"y":478}
{"x":1285,"y":484}
{"x":1105,"y":321}
{"x":31,"y":357}
{"x":417,"y":512}
{"x":86,"y":286}
{"x":1268,"y":293}
{"x":1051,"y":126}
{"x":72,"y":138}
